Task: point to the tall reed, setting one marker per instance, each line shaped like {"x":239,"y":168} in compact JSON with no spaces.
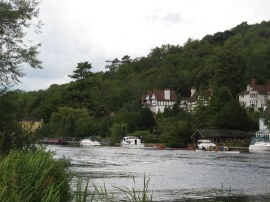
{"x":98,"y":194}
{"x":28,"y":176}
{"x":33,"y":176}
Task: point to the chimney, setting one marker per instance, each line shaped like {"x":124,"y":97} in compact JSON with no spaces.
{"x":167,"y":94}
{"x":193,"y":90}
{"x":253,"y":82}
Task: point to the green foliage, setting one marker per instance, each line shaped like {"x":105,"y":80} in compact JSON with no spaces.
{"x":201,"y":117}
{"x":224,"y":62}
{"x":63,"y":122}
{"x":82,"y":71}
{"x":146,"y":119}
{"x":136,"y":194}
{"x":233,"y":116}
{"x":220,"y":97}
{"x":86,"y":126}
{"x":146,"y":136}
{"x":33,"y":176}
{"x":175,"y":133}
{"x":129,"y":118}
{"x":11,"y":133}
{"x":118,"y":131}
{"x":228,"y":67}
{"x":15,"y":18}
{"x":133,"y":194}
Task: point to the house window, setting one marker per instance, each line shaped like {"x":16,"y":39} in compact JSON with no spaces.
{"x":253,"y":95}
{"x":253,"y":104}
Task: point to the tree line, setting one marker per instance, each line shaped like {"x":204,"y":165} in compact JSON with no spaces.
{"x":108,"y":103}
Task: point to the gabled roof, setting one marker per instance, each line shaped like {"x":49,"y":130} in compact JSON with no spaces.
{"x":217,"y":133}
{"x":206,"y":94}
{"x":160,"y":95}
{"x":261,"y":89}
{"x":244,"y":92}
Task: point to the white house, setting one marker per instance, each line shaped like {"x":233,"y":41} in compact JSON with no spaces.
{"x":196,"y":98}
{"x":158,"y":100}
{"x":255,"y":96}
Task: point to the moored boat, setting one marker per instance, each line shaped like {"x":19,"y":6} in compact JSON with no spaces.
{"x":205,"y":144}
{"x":259,"y":144}
{"x":89,"y":142}
{"x":57,"y":141}
{"x":132,"y":142}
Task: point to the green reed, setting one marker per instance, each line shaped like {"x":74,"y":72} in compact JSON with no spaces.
{"x":31,"y":176}
{"x":28,"y":176}
{"x":222,"y":194}
{"x":133,"y":194}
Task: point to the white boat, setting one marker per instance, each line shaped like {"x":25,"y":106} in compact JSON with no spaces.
{"x":259,"y":145}
{"x":89,"y":142}
{"x":205,"y":144}
{"x":132,"y":142}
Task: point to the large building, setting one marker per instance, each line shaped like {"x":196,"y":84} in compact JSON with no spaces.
{"x":255,"y":96}
{"x":159,"y":100}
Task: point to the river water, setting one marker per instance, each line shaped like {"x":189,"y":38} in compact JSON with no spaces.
{"x":175,"y":175}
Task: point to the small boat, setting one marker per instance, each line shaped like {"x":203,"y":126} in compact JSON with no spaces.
{"x":57,"y":141}
{"x":259,"y":144}
{"x":89,"y":142}
{"x":132,"y":142}
{"x":205,"y":144}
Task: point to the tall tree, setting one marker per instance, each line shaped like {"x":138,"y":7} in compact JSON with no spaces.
{"x":82,"y":71}
{"x":229,"y":65}
{"x":15,"y":18}
{"x":63,"y":122}
{"x":220,"y":97}
{"x":78,"y":93}
{"x":234,"y":117}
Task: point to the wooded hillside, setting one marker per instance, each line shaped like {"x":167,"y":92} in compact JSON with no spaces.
{"x":96,"y":101}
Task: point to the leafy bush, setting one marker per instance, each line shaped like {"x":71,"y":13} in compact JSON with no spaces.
{"x":33,"y":176}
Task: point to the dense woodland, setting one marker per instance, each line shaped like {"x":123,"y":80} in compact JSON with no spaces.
{"x":108,"y":104}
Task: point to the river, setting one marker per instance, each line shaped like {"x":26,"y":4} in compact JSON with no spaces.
{"x":175,"y":175}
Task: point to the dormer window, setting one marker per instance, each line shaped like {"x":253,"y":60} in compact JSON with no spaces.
{"x":253,"y":95}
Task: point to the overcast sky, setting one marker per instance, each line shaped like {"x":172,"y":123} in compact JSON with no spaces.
{"x":99,"y":30}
